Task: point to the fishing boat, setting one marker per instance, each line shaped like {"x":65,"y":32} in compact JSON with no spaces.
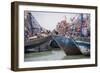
{"x":39,"y":44}
{"x":84,"y":47}
{"x":67,"y":44}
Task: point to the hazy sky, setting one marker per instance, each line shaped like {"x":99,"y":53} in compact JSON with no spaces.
{"x":49,"y":20}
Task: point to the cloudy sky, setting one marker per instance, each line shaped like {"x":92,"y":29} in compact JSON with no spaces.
{"x":49,"y":20}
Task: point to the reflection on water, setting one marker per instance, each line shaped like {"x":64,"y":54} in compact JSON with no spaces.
{"x":50,"y":55}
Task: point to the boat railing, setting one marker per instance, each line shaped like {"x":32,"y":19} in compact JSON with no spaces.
{"x":75,"y":42}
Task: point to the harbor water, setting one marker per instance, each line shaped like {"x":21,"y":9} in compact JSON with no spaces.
{"x":50,"y":55}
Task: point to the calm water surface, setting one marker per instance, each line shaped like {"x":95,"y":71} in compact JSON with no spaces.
{"x":50,"y":55}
